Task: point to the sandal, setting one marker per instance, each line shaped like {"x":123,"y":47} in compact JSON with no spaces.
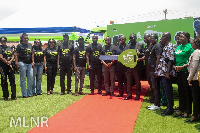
{"x":179,"y":114}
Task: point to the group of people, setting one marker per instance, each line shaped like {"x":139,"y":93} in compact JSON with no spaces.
{"x":163,"y":62}
{"x":167,"y":61}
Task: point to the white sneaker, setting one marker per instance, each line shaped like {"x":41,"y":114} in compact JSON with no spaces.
{"x":151,"y":106}
{"x":154,"y":108}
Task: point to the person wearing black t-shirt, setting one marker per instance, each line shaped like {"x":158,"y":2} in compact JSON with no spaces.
{"x":134,"y":73}
{"x":38,"y":67}
{"x":120,"y":68}
{"x":94,"y":64}
{"x":79,"y":61}
{"x":147,"y":51}
{"x":24,"y":60}
{"x":6,"y":58}
{"x":108,"y":68}
{"x":50,"y":64}
{"x":65,"y":55}
{"x":153,"y":61}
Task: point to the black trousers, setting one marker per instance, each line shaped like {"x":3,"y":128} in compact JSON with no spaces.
{"x":4,"y":86}
{"x":185,"y":93}
{"x":150,"y":83}
{"x":63,"y":70}
{"x":167,"y":84}
{"x":121,"y":77}
{"x":98,"y":70}
{"x":196,"y":97}
{"x":156,"y":87}
{"x":51,"y":74}
{"x":133,"y":73}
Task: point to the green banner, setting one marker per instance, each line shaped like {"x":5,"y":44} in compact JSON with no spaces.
{"x":158,"y":27}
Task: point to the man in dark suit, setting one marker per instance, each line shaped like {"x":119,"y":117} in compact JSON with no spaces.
{"x":134,"y":72}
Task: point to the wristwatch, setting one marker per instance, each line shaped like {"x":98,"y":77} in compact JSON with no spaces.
{"x":33,"y":62}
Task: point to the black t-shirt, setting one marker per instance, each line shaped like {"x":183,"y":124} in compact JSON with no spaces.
{"x":25,"y":53}
{"x":95,"y":51}
{"x":6,"y":52}
{"x":107,"y":50}
{"x":66,"y":53}
{"x":156,"y":50}
{"x":38,"y":54}
{"x":51,"y":55}
{"x":117,"y":51}
{"x":147,"y":51}
{"x":80,"y":53}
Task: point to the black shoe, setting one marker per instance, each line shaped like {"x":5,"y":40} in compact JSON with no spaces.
{"x":105,"y":94}
{"x":62,"y":93}
{"x":178,"y":114}
{"x":81,"y":93}
{"x":119,"y":95}
{"x":92,"y":93}
{"x":69,"y":92}
{"x":151,"y":101}
{"x":99,"y":92}
{"x":25,"y":96}
{"x":112,"y":94}
{"x":34,"y":94}
{"x":163,"y":104}
{"x":128,"y":97}
{"x":39,"y":93}
{"x":166,"y":113}
{"x":137,"y":98}
{"x":6,"y":99}
{"x":13,"y":98}
{"x":51,"y":92}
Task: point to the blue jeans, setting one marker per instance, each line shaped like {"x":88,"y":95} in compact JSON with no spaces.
{"x":167,"y":84}
{"x":26,"y":70}
{"x":37,"y":70}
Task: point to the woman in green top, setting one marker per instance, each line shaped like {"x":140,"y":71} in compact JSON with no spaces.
{"x":182,"y":54}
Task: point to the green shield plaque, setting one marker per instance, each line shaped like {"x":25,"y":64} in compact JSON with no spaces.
{"x":128,"y":58}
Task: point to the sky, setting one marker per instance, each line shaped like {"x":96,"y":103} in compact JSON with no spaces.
{"x":90,"y":13}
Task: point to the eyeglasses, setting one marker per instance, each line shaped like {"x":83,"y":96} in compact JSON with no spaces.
{"x":51,"y":42}
{"x":131,"y":38}
{"x":121,"y":39}
{"x":3,"y":41}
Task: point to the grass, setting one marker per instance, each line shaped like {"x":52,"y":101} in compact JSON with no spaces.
{"x":152,"y":122}
{"x":37,"y":106}
{"x":46,"y":106}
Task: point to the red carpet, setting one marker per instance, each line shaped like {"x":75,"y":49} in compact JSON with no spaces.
{"x":96,"y":114}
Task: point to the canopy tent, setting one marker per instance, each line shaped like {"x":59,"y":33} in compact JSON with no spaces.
{"x":43,"y":33}
{"x":42,"y":30}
